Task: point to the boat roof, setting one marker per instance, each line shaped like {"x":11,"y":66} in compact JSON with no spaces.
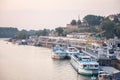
{"x":89,"y":61}
{"x":110,"y":70}
{"x":84,"y":57}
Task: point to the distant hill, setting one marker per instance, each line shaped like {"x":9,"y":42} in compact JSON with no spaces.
{"x":7,"y":32}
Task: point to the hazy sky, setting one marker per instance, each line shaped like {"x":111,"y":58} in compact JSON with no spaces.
{"x":39,"y":14}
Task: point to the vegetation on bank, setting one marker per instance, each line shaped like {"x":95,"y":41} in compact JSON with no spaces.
{"x":95,"y":24}
{"x":7,"y":32}
{"x":24,"y":34}
{"x":90,"y":23}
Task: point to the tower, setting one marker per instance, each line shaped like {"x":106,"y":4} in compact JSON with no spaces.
{"x":79,"y":21}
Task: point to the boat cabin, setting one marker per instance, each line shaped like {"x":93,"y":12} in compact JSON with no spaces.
{"x":88,"y":63}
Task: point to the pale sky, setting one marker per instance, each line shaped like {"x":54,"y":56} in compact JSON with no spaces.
{"x":39,"y":14}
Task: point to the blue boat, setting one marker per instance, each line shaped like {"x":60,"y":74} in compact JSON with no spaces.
{"x":84,"y":65}
{"x":58,"y":52}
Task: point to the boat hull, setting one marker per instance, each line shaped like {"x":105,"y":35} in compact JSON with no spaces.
{"x":84,"y":71}
{"x":56,"y":56}
{"x":58,"y":52}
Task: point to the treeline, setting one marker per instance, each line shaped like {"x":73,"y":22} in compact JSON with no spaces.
{"x":10,"y":32}
{"x":7,"y":32}
{"x":109,"y":24}
{"x":24,"y":34}
{"x":95,"y":24}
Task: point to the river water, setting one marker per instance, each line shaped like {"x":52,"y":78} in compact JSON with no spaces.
{"x":19,"y":62}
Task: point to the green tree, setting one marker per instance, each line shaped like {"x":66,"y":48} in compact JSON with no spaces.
{"x":73,"y":22}
{"x":93,"y":20}
{"x":38,"y":33}
{"x":116,"y":19}
{"x":117,"y":31}
{"x":78,"y":22}
{"x":59,"y":30}
{"x":45,"y":32}
{"x":7,"y":32}
{"x":22,"y":35}
{"x":108,"y":26}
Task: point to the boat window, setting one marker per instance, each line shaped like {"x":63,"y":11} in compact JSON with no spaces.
{"x":118,"y":45}
{"x":111,"y":51}
{"x":80,"y":59}
{"x":84,"y":65}
{"x":91,"y":65}
{"x":85,"y":59}
{"x":96,"y":65}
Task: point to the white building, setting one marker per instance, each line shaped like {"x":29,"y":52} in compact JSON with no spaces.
{"x":79,"y":35}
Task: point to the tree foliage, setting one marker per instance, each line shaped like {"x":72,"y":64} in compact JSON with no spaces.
{"x":108,"y":26}
{"x":116,"y":19}
{"x":44,"y":32}
{"x":78,"y":22}
{"x":117,"y":31}
{"x":73,"y":22}
{"x":7,"y":32}
{"x":93,"y":19}
{"x":59,"y":30}
{"x":38,"y":33}
{"x":22,"y":35}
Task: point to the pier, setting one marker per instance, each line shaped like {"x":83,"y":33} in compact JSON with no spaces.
{"x":49,"y":41}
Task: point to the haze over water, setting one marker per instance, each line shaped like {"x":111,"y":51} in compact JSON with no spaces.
{"x":39,"y":14}
{"x":18,"y":62}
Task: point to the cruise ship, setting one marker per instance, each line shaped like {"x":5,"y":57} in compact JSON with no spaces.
{"x":84,"y":65}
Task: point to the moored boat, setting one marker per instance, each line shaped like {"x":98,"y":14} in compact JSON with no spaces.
{"x":71,"y":50}
{"x":102,"y":75}
{"x":58,"y":52}
{"x":84,"y":65}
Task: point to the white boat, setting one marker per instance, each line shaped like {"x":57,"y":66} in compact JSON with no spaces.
{"x":102,"y":75}
{"x":58,"y":52}
{"x":84,"y":65}
{"x":71,"y":50}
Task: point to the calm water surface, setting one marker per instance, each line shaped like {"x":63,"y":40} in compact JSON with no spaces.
{"x":18,"y":62}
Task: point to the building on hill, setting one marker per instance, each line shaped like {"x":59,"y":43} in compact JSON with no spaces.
{"x":78,"y":25}
{"x":114,"y":16}
{"x":72,"y":27}
{"x":111,"y":17}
